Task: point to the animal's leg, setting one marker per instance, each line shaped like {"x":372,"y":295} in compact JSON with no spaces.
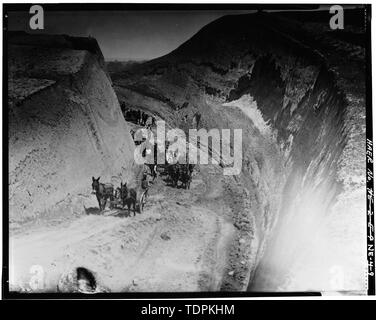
{"x":112,"y":198}
{"x":111,"y":203}
{"x":99,"y":203}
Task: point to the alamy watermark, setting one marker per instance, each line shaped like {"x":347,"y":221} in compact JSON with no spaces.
{"x":220,"y":146}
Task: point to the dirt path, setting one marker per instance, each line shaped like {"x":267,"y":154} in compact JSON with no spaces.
{"x":180,"y":243}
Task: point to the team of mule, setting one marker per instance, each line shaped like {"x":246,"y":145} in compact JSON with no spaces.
{"x":132,"y":198}
{"x":105,"y":191}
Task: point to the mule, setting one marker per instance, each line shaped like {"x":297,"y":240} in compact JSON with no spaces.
{"x":103,"y":192}
{"x":180,"y":172}
{"x":128,"y":197}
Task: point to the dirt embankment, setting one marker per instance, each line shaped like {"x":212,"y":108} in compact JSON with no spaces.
{"x":64,"y":126}
{"x":302,"y":109}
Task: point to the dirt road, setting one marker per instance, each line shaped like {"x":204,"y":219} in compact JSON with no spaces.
{"x":181,"y":242}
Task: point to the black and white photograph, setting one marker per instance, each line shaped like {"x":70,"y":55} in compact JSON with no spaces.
{"x":187,"y":150}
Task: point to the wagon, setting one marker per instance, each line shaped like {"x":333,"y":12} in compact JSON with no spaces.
{"x":141,"y":199}
{"x":117,"y":203}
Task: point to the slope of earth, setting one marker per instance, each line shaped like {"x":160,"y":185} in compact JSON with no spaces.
{"x":64,"y":126}
{"x":297,"y":89}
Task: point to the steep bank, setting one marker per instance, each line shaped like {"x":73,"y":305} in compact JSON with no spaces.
{"x":297,"y":91}
{"x":64,"y":126}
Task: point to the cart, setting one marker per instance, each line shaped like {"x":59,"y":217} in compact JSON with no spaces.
{"x":141,"y":199}
{"x":117,"y":202}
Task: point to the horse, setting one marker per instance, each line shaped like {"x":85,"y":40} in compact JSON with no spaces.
{"x":103,"y":191}
{"x":128,"y":197}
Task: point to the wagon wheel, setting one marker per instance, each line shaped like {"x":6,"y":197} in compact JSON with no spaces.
{"x":142,"y":202}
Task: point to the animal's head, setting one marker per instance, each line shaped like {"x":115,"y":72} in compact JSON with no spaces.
{"x":123,"y":189}
{"x":95,"y":185}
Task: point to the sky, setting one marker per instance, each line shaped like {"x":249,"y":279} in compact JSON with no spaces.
{"x":124,"y":35}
